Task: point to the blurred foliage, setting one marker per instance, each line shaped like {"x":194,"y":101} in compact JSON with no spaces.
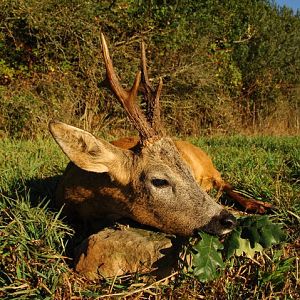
{"x":226,"y":65}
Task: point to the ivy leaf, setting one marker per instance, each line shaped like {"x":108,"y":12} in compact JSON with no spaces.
{"x":246,"y":249}
{"x":232,"y":243}
{"x":252,"y":235}
{"x":260,"y":229}
{"x":206,"y":258}
{"x":235,"y":245}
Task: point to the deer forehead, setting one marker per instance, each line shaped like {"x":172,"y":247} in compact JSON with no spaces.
{"x":162,"y":155}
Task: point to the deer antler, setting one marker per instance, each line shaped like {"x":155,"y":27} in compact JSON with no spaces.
{"x":151,"y":96}
{"x":128,"y":99}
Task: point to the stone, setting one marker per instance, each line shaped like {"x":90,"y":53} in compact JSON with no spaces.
{"x":125,"y":250}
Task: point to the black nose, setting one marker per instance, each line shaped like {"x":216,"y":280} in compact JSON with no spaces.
{"x":227,"y":220}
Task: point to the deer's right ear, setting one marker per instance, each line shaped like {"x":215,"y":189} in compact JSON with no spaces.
{"x":92,"y":154}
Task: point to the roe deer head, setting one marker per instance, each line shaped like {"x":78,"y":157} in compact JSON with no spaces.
{"x":150,"y":183}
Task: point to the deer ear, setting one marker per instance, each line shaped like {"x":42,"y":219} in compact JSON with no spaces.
{"x":91,"y":154}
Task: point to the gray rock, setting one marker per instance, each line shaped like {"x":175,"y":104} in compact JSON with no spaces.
{"x":115,"y":252}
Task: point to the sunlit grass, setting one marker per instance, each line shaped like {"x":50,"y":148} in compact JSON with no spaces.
{"x":267,"y":167}
{"x":33,"y":237}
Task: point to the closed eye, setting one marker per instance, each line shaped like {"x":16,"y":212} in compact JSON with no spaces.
{"x":157,"y":182}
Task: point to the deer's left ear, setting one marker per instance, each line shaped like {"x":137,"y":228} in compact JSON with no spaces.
{"x":92,"y":154}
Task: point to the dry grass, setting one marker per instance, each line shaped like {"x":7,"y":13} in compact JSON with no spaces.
{"x":33,"y":238}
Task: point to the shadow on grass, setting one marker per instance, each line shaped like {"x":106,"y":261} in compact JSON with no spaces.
{"x":41,"y":192}
{"x":35,"y":191}
{"x":43,"y":189}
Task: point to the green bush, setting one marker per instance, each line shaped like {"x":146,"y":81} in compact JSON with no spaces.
{"x":225,"y":64}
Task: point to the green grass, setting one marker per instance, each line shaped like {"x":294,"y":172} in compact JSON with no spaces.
{"x":267,"y":167}
{"x":33,"y":238}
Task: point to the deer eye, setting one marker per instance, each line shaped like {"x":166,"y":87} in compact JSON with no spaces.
{"x":160,"y":182}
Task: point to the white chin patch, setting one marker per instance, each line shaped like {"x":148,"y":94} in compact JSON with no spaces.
{"x":225,"y":231}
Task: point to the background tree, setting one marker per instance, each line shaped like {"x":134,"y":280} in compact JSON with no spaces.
{"x":227,"y":65}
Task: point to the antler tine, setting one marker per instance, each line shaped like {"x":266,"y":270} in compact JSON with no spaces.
{"x":145,"y":77}
{"x":151,"y":96}
{"x":156,"y":106}
{"x":127,"y":98}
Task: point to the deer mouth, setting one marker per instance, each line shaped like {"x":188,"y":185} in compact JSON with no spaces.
{"x":221,"y":224}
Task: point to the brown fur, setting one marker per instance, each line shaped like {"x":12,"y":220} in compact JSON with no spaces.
{"x":105,"y":183}
{"x":149,"y":183}
{"x":204,"y":171}
{"x":155,"y":181}
{"x":200,"y":163}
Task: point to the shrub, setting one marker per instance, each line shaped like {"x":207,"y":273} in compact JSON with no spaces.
{"x":224,"y":64}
